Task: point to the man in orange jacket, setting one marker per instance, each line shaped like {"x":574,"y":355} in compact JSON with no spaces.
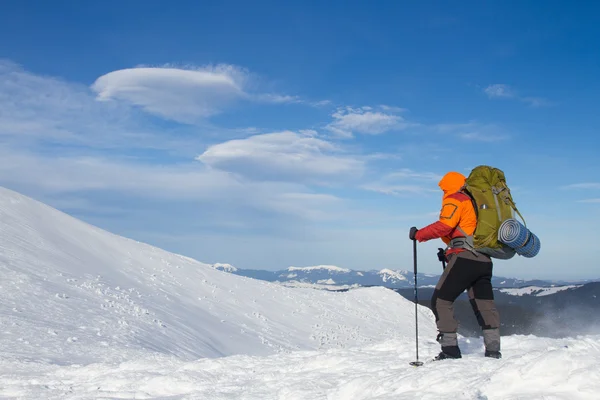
{"x":466,"y":270}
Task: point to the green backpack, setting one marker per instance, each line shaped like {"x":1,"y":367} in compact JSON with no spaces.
{"x":493,"y":205}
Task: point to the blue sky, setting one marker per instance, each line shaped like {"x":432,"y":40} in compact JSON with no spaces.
{"x":269,"y":135}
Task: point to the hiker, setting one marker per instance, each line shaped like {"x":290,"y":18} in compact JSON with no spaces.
{"x":466,"y":270}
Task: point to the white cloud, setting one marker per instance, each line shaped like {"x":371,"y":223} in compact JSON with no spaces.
{"x":173,"y":93}
{"x":501,"y":90}
{"x":186,"y":95}
{"x":594,"y":201}
{"x":366,"y":121}
{"x":37,"y":111}
{"x":282,"y":156}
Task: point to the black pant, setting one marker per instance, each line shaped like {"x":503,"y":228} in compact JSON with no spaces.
{"x":465,"y":271}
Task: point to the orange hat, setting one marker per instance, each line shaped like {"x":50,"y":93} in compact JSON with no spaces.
{"x":452,"y":182}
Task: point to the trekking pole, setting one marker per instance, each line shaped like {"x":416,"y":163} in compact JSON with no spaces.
{"x":416,"y":363}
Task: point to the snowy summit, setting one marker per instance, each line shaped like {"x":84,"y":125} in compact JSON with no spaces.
{"x":224,"y":267}
{"x":86,"y":314}
{"x":388,"y":274}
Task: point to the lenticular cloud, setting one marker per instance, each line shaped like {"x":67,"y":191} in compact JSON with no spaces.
{"x":183,"y":95}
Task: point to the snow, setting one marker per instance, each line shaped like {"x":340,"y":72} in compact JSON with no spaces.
{"x":326,"y":281}
{"x":73,"y":293}
{"x":537,"y":290}
{"x":330,"y":268}
{"x":532,"y":368}
{"x":224,"y":267}
{"x":85,"y":314}
{"x":318,"y":286}
{"x":388,"y":274}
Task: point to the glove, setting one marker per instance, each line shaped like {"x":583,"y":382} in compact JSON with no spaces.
{"x":441,"y":255}
{"x":413,"y":233}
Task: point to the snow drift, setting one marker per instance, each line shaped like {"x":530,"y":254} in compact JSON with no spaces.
{"x":71,"y":292}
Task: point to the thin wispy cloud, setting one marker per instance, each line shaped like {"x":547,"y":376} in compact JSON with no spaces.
{"x":67,"y":178}
{"x":311,"y":206}
{"x":584,"y":185}
{"x":405,"y":182}
{"x":100,"y":147}
{"x":537,"y":101}
{"x":593,"y":201}
{"x":406,"y":173}
{"x":277,"y":98}
{"x":479,"y":136}
{"x":399,"y":190}
{"x":67,"y":174}
{"x":36,"y":111}
{"x":473,"y":131}
{"x":348,"y":121}
{"x":504,"y":91}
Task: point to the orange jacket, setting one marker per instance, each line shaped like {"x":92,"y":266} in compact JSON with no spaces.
{"x":457,"y":212}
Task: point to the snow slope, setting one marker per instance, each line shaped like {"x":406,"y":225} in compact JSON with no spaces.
{"x":85,"y":314}
{"x":73,"y":293}
{"x":532,"y":369}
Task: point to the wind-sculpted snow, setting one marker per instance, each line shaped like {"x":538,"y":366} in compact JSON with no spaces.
{"x":532,"y":369}
{"x":73,"y":293}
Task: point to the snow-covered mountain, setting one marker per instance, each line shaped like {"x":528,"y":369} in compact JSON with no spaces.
{"x":71,"y":292}
{"x":393,"y":279}
{"x":85,"y":314}
{"x":537,"y":290}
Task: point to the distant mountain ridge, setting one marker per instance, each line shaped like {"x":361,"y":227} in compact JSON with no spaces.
{"x":393,"y":279}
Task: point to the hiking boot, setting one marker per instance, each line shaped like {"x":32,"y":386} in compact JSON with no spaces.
{"x":493,"y":354}
{"x":448,"y":352}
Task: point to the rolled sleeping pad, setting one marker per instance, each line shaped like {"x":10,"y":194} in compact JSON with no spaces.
{"x":512,"y":233}
{"x":518,"y":237}
{"x":531,"y":248}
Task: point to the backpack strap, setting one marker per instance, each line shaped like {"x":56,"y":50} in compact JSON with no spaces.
{"x":508,"y":199}
{"x":463,"y":243}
